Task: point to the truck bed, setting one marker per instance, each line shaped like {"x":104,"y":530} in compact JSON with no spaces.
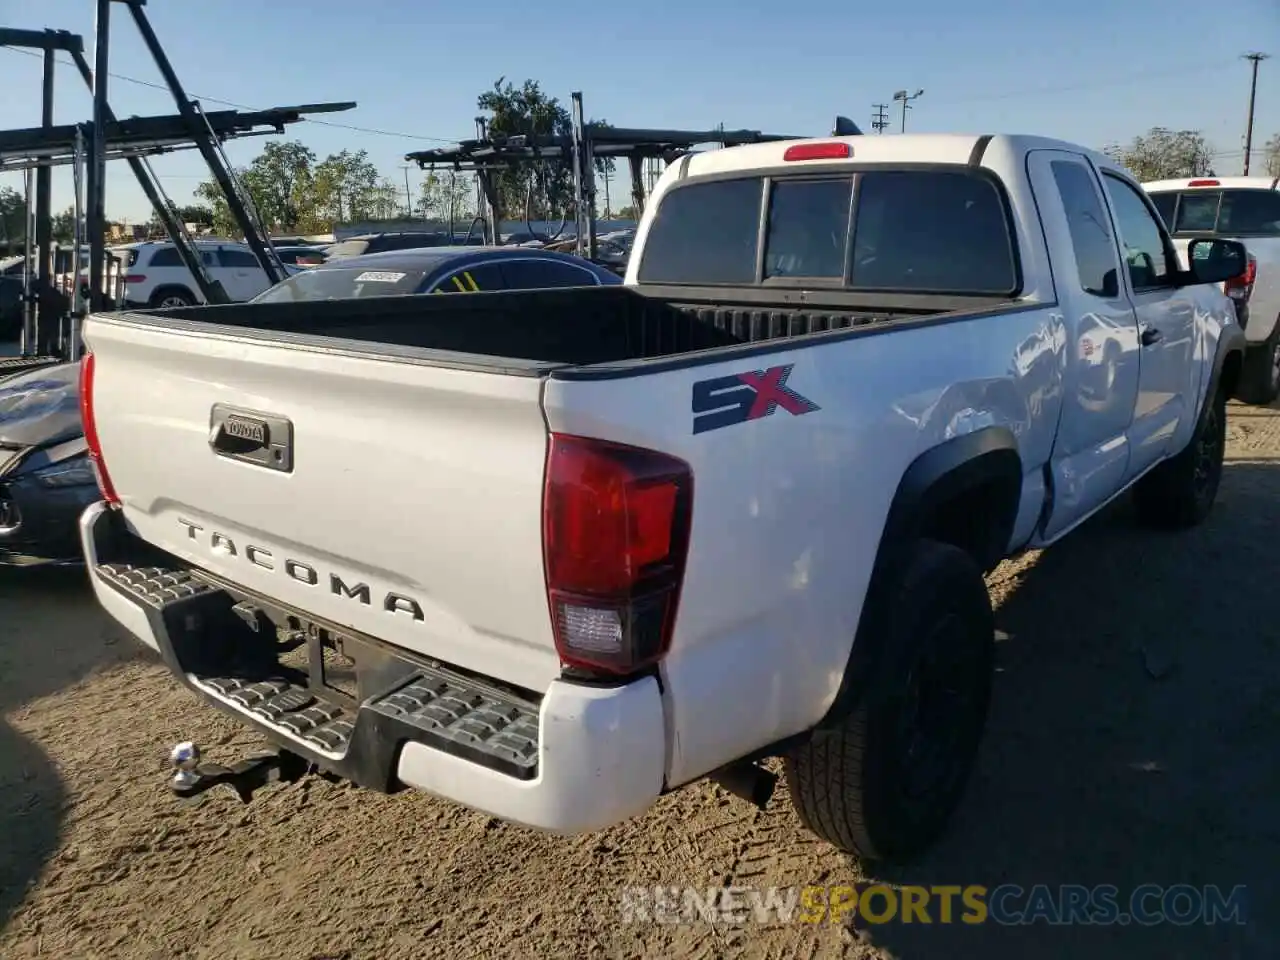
{"x":579,"y":325}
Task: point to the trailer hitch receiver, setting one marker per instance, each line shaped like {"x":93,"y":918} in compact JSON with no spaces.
{"x":192,"y":778}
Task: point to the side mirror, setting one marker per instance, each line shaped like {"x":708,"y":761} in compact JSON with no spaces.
{"x":1216,"y":261}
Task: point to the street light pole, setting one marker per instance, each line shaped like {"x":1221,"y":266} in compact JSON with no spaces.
{"x":905,"y":99}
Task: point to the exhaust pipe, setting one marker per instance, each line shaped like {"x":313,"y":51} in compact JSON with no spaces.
{"x":750,"y":781}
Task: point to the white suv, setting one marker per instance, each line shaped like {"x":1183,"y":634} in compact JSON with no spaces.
{"x":156,"y":276}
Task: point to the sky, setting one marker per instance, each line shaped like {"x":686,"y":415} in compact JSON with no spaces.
{"x":1088,"y":71}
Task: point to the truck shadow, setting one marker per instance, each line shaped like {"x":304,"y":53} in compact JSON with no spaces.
{"x":52,"y":635}
{"x":1131,"y":741}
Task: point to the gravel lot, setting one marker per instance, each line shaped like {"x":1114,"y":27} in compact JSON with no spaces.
{"x":1133,"y":740}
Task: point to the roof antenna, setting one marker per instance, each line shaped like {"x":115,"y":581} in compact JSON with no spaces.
{"x":844,"y":127}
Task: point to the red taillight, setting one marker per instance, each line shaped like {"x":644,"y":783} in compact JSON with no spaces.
{"x":818,"y":151}
{"x":135,"y":278}
{"x":90,"y":427}
{"x":1241,"y":287}
{"x":1204,"y":183}
{"x":309,"y":261}
{"x":615,"y":535}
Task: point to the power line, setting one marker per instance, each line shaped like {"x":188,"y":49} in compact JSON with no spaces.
{"x":241,"y":106}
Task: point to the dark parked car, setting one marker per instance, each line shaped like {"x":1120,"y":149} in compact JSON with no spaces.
{"x":439,"y":270}
{"x":46,"y":479}
{"x":384,"y":242}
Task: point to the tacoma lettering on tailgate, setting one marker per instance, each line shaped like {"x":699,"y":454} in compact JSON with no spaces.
{"x":725,"y":401}
{"x":301,"y":571}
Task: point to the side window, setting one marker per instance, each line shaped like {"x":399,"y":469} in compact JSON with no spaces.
{"x":705,"y":233}
{"x":165,"y":257}
{"x":538,"y":274}
{"x":1087,"y":220}
{"x":238,"y":259}
{"x":1140,"y":235}
{"x":168,"y":257}
{"x":481,"y":278}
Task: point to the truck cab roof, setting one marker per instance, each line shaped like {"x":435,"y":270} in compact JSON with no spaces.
{"x":932,"y":148}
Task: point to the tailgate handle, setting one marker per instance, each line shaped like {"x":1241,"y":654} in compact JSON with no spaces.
{"x":262,"y":439}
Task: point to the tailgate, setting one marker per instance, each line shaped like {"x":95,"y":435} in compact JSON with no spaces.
{"x":404,"y":503}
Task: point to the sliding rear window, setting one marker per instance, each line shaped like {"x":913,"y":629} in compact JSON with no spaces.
{"x":1233,"y":213}
{"x":912,"y":231}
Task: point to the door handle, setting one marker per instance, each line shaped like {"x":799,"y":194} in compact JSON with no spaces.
{"x":1150,"y":335}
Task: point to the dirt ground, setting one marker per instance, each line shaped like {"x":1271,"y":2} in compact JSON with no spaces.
{"x":1132,"y":740}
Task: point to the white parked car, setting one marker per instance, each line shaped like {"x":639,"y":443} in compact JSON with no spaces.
{"x":156,"y":276}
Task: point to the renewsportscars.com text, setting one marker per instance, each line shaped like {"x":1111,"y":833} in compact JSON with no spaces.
{"x":1008,"y":905}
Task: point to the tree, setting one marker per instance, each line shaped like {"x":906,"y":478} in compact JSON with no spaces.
{"x":64,"y":226}
{"x":545,"y":187}
{"x":386,"y":200}
{"x":224,"y":225}
{"x":347,"y":187}
{"x":196,"y":213}
{"x":626,"y":213}
{"x":1163,"y":154}
{"x":280,"y":182}
{"x":13,"y":216}
{"x":1272,"y":154}
{"x":445,"y":197}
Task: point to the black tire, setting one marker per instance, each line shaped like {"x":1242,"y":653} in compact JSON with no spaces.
{"x":852,"y":784}
{"x":1260,"y":372}
{"x":172,"y":297}
{"x":1180,"y":492}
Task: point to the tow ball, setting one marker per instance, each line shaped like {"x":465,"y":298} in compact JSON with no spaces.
{"x":192,"y":778}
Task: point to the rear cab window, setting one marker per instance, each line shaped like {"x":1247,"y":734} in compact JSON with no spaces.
{"x":1241,"y":212}
{"x":914,"y":231}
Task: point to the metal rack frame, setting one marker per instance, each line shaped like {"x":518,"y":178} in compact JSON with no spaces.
{"x":134,"y":139}
{"x":581,"y":148}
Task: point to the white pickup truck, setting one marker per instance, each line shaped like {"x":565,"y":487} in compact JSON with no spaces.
{"x":1245,"y":209}
{"x":551,"y":554}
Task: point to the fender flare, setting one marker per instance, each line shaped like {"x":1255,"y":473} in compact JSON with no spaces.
{"x":1231,"y":341}
{"x":941,"y":473}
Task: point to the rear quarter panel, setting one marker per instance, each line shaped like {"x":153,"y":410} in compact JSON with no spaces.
{"x":789,"y":509}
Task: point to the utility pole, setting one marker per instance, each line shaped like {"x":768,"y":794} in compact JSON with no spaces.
{"x":408,"y":195}
{"x":880,"y":119}
{"x":1256,"y":59}
{"x":902,"y":97}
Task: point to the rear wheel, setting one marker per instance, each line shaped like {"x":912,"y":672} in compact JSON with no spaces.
{"x":1180,"y":492}
{"x":884,"y":782}
{"x":1260,"y":373}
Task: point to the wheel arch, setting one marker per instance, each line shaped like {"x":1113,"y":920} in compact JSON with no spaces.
{"x":964,"y":491}
{"x":167,"y":288}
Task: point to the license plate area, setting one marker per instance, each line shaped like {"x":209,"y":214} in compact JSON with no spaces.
{"x":327,"y":660}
